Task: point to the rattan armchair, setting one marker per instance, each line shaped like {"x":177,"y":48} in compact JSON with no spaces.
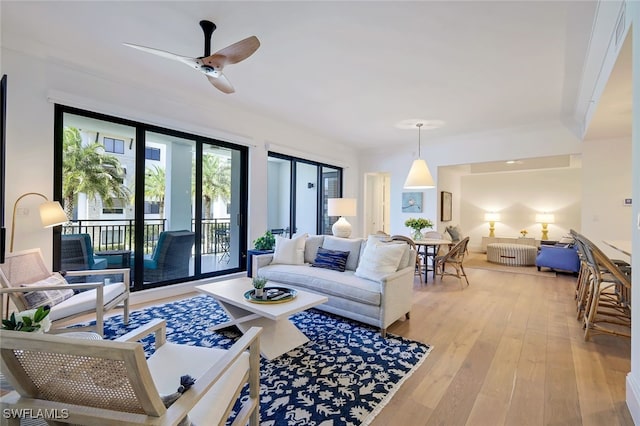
{"x":100,"y":382}
{"x":455,"y":258}
{"x":27,"y":267}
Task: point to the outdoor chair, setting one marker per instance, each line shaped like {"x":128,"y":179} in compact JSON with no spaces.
{"x":76,"y":253}
{"x":455,"y":258}
{"x":27,"y":281}
{"x":170,"y":259}
{"x":109,"y":382}
{"x":224,"y":243}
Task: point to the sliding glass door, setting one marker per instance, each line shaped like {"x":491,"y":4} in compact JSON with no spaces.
{"x":167,"y":204}
{"x":298,"y":191}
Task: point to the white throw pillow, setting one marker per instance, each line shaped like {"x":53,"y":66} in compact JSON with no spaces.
{"x":379,"y":260}
{"x":35,"y":299}
{"x":289,"y":251}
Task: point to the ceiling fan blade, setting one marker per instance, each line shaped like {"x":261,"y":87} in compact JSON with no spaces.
{"x":238,"y":51}
{"x":192,"y":62}
{"x":221,"y":83}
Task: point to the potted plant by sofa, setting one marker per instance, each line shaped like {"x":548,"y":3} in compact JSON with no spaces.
{"x":263,"y":244}
{"x":418,"y":224}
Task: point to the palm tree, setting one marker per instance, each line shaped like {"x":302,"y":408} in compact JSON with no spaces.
{"x":216,"y":182}
{"x":87,"y":169}
{"x":154,"y":186}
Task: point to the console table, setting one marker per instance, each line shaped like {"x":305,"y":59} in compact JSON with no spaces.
{"x":510,"y":240}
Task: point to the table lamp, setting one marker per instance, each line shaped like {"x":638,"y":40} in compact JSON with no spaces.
{"x":545,"y":219}
{"x":51,"y":214}
{"x":492,"y":218}
{"x":341,"y":207}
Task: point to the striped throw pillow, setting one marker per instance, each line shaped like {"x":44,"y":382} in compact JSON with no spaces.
{"x":335,"y":260}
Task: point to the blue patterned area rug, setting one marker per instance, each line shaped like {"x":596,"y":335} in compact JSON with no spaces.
{"x":344,"y":375}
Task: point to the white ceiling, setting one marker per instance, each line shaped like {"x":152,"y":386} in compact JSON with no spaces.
{"x":346,"y":70}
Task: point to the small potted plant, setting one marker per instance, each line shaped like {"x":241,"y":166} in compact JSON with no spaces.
{"x":265,"y":242}
{"x":418,"y":224}
{"x":33,"y":320}
{"x":263,"y":245}
{"x":258,"y":285}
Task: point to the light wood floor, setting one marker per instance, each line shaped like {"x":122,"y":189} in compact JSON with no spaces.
{"x":507,"y":350}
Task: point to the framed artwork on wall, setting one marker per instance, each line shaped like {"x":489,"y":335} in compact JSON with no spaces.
{"x":445,"y":206}
{"x":412,"y":202}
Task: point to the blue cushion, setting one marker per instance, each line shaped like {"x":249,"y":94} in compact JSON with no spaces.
{"x":335,"y":260}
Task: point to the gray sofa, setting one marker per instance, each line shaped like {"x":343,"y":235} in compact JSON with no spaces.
{"x":378,"y":302}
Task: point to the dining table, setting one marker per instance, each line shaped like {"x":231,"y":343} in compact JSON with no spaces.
{"x":431,"y":250}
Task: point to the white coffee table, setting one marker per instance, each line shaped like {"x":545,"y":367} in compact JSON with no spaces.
{"x":279,"y":335}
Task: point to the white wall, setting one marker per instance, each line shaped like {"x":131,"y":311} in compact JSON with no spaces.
{"x":606,"y":182}
{"x":633,"y":378}
{"x":518,"y":196}
{"x":30,"y":132}
{"x":545,"y":139}
{"x":449,"y":180}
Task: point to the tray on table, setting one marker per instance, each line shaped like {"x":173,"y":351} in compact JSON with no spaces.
{"x":272,"y":295}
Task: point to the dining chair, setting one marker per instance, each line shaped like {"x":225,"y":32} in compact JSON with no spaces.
{"x":419,"y":259}
{"x":109,"y":382}
{"x":455,"y":258}
{"x":27,"y":281}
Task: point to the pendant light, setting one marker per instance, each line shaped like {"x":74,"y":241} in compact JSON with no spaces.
{"x":419,"y":176}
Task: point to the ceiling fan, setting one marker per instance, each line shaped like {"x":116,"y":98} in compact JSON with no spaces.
{"x":211,"y":65}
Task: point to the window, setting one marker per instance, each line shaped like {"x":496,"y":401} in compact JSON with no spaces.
{"x":298,"y":192}
{"x":151,"y":207}
{"x":113,"y":145}
{"x":152,"y":154}
{"x":191,"y":187}
{"x":116,"y":206}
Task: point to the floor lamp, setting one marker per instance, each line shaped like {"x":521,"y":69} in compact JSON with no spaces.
{"x":51,"y":214}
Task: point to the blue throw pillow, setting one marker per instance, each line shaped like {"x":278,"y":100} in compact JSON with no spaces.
{"x":335,"y":260}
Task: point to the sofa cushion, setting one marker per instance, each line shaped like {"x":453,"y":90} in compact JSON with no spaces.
{"x":342,"y":285}
{"x":379,"y":260}
{"x":335,"y":260}
{"x":311,"y":246}
{"x":289,"y":251}
{"x":374,"y":239}
{"x":352,"y":245}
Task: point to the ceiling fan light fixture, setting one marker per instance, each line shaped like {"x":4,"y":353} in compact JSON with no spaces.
{"x":419,"y":176}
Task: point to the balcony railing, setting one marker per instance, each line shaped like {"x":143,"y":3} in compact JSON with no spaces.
{"x":118,"y":234}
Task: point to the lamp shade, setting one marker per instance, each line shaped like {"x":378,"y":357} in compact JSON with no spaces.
{"x":51,"y":214}
{"x":419,"y":176}
{"x":492,"y":217}
{"x":341,"y":207}
{"x":545,"y":218}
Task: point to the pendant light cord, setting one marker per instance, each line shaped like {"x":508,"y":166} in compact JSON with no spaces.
{"x":419,"y":125}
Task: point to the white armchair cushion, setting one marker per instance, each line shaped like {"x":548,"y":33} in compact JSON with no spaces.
{"x":35,"y":299}
{"x":195,"y":361}
{"x":84,"y":301}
